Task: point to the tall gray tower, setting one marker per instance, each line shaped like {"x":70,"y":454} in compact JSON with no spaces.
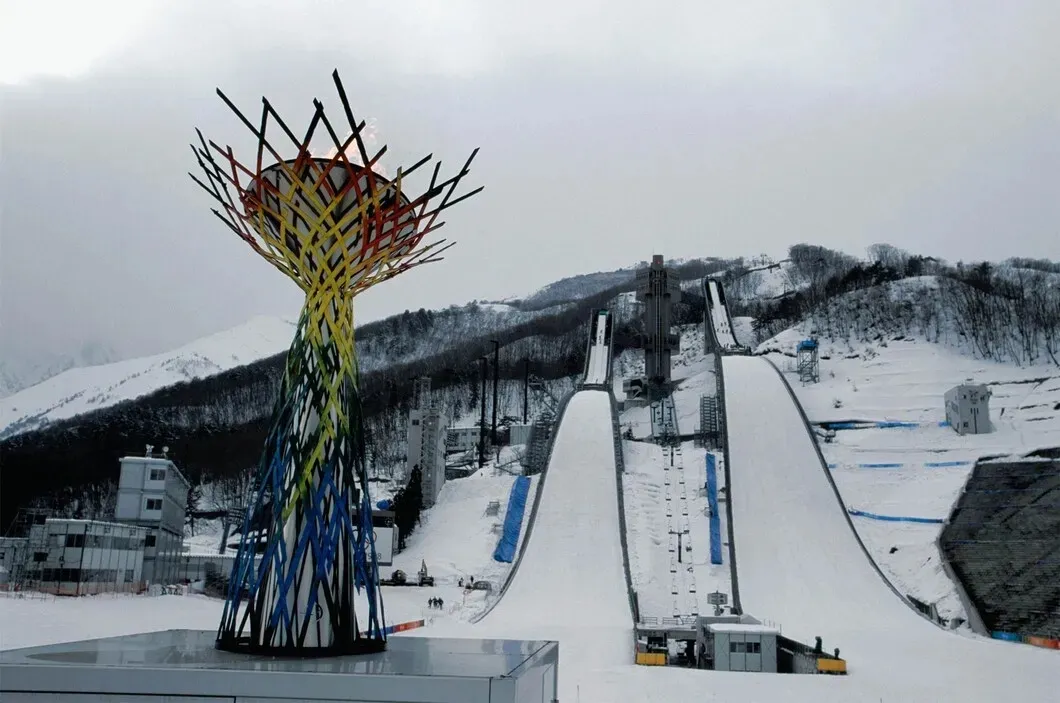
{"x":658,"y":288}
{"x":426,"y":444}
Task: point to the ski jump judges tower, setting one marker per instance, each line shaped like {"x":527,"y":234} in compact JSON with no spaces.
{"x":335,"y":227}
{"x":658,"y":288}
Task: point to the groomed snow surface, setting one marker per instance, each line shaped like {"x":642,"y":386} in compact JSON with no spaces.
{"x":915,"y":471}
{"x":570,"y":584}
{"x":800,"y":565}
{"x":599,"y":362}
{"x":719,"y":316}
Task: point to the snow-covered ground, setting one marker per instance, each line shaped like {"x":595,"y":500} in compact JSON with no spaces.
{"x":570,"y":584}
{"x":649,"y":478}
{"x":718,"y":313}
{"x":598,"y":364}
{"x":800,"y":566}
{"x":918,"y":471}
{"x":456,"y":539}
{"x":799,"y":563}
{"x":82,"y":390}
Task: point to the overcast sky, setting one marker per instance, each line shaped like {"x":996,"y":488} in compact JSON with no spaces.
{"x":609,"y":131}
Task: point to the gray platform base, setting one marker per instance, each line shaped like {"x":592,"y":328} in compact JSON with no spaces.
{"x":184,"y":666}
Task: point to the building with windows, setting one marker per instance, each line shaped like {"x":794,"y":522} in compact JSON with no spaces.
{"x":462,"y":439}
{"x":152,"y":493}
{"x":84,"y":557}
{"x":426,"y":442}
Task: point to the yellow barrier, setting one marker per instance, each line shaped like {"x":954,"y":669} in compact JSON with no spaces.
{"x":651,"y":658}
{"x":831,"y":666}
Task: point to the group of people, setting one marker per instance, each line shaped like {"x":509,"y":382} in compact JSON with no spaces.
{"x":436,"y":603}
{"x":469,"y":584}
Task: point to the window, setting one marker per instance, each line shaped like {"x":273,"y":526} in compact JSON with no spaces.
{"x":154,"y":503}
{"x":149,"y":541}
{"x":158,"y":474}
{"x":75,"y":540}
{"x":756,"y":647}
{"x":128,"y":575}
{"x":735,"y":647}
{"x":40,"y":556}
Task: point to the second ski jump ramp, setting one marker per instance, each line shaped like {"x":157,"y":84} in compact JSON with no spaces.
{"x":598,"y":358}
{"x":802,"y":566}
{"x":571,"y":573}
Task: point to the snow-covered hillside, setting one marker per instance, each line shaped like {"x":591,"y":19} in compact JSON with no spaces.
{"x":918,"y":470}
{"x":19,"y":370}
{"x":398,"y":339}
{"x":86,"y":389}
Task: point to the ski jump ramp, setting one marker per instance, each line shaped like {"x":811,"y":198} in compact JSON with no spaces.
{"x":569,"y":581}
{"x":598,"y":358}
{"x":801,"y":564}
{"x":571,"y":573}
{"x":718,"y":318}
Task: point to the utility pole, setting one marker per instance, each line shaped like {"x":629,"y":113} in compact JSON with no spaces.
{"x":482,"y":419}
{"x":526,"y":392}
{"x":496,"y":369}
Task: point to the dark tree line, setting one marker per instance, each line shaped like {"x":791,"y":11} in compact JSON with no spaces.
{"x":215,"y":426}
{"x":1008,"y":312}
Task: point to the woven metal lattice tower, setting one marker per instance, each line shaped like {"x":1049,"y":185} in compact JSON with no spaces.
{"x":335,"y":226}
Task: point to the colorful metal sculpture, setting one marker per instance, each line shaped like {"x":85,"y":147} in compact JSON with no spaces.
{"x":335,"y":227}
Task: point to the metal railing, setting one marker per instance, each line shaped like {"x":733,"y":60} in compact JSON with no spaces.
{"x":620,"y":469}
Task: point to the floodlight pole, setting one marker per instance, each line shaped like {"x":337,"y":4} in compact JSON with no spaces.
{"x":482,"y":418}
{"x":496,"y":367}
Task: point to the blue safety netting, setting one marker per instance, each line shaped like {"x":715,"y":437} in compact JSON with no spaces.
{"x":712,"y":501}
{"x":513,"y":521}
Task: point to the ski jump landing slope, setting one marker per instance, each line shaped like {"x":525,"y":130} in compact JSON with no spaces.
{"x":598,"y":364}
{"x":718,"y":314}
{"x":801,"y":566}
{"x":571,"y":584}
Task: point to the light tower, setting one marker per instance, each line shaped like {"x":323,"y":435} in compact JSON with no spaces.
{"x":335,"y":227}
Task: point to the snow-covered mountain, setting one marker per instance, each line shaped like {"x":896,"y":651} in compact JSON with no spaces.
{"x":90,"y":383}
{"x":21,"y":371}
{"x":403,"y":338}
{"x":81,"y":390}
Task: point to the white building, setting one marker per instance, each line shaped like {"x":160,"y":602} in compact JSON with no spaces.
{"x":83,"y":557}
{"x":152,"y":493}
{"x":968,"y":408}
{"x":426,"y":442}
{"x":461,"y":439}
